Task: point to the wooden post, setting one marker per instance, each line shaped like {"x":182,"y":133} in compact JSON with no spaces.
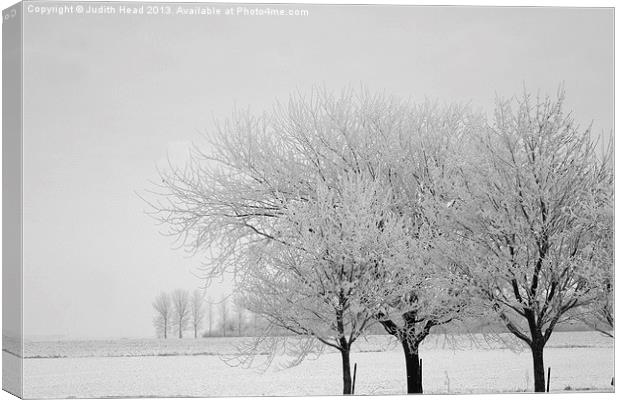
{"x":548,"y":378}
{"x":354,"y":376}
{"x":420,"y":380}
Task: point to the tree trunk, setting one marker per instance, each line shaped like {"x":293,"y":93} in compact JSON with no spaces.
{"x":165,"y":329}
{"x":345,"y":346}
{"x":195,"y":332}
{"x":411,"y":343}
{"x":346,"y":371}
{"x":412,"y":365}
{"x":539,"y":366}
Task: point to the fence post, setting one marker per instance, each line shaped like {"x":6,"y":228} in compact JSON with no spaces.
{"x":420,"y":380}
{"x":548,"y":378}
{"x":354,"y":376}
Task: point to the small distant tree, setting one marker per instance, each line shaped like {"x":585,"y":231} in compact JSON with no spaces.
{"x":197,"y":310}
{"x":240,"y":320}
{"x":210,"y":302}
{"x":254,"y":324}
{"x":181,"y":306}
{"x":223,"y":315}
{"x":532,"y":223}
{"x":163,"y":309}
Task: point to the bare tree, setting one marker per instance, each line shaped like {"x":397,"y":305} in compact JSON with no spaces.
{"x":181,"y":306}
{"x":254,"y":324}
{"x":532,"y":225}
{"x":197,"y":310}
{"x":210,"y":302}
{"x":163,"y":309}
{"x":240,"y":320}
{"x":223,"y":315}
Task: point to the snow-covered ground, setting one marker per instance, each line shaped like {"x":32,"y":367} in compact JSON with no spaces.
{"x":581,"y":360}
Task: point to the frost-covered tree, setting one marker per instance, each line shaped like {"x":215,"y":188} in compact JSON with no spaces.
{"x":163,"y":314}
{"x":229,"y":198}
{"x":532,"y":226}
{"x":599,"y":315}
{"x":181,"y":310}
{"x":331,"y":266}
{"x":433,"y":292}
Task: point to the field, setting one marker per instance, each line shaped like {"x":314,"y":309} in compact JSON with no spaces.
{"x":188,"y":368}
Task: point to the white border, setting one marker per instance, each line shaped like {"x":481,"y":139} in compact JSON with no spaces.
{"x":512,"y":3}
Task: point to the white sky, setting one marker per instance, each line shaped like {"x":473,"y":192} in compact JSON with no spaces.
{"x":105,"y":97}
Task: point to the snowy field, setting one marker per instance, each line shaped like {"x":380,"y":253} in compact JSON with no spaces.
{"x":136,"y":368}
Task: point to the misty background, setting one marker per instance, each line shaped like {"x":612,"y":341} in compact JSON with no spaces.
{"x":106,"y":98}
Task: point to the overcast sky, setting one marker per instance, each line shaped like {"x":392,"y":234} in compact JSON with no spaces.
{"x":106,"y":97}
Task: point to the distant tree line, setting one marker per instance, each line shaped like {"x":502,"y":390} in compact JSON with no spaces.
{"x":179,"y":312}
